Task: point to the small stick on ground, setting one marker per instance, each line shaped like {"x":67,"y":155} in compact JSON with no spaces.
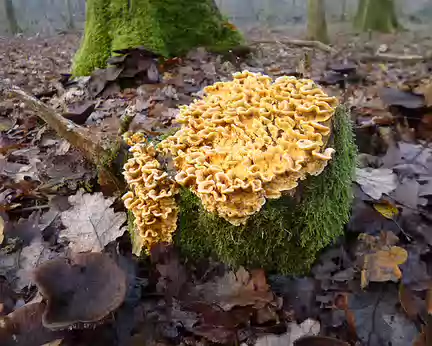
{"x":300,"y":43}
{"x":394,"y":57}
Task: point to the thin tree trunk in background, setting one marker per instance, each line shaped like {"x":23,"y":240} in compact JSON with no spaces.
{"x":70,"y":22}
{"x":376,"y":15}
{"x":317,"y":24}
{"x":344,"y":10}
{"x":10,"y":13}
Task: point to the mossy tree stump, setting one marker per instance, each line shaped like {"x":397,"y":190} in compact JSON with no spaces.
{"x":376,"y":15}
{"x":287,"y":234}
{"x":168,"y":27}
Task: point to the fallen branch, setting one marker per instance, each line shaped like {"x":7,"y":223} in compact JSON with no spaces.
{"x":301,"y":43}
{"x":95,"y":147}
{"x":394,"y":57}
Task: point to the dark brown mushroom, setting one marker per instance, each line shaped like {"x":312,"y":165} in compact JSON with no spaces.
{"x":84,"y":288}
{"x":344,"y":68}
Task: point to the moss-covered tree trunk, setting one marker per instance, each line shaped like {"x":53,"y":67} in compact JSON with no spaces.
{"x":168,"y":27}
{"x":11,"y":17}
{"x":376,"y":15}
{"x":317,"y":24}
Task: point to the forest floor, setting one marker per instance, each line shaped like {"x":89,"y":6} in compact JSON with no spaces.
{"x":371,"y":288}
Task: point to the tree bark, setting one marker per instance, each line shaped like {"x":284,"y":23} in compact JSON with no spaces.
{"x":10,"y":13}
{"x":168,"y":27}
{"x":376,"y":15}
{"x":317,"y":24}
{"x":70,"y":22}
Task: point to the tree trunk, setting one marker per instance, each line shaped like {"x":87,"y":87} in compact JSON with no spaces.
{"x":70,"y":22}
{"x":317,"y":24}
{"x":344,"y":11}
{"x":376,"y":15}
{"x":168,"y":27}
{"x":10,"y":13}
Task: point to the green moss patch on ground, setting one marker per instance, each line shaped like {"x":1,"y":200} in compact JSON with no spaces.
{"x":284,"y":236}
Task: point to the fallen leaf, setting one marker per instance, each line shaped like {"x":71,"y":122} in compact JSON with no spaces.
{"x":90,"y":222}
{"x":2,"y":227}
{"x":395,"y":97}
{"x":407,"y":193}
{"x":23,"y":327}
{"x":383,"y":265}
{"x":239,"y":288}
{"x":319,"y":341}
{"x":298,"y":294}
{"x":295,"y":331}
{"x":30,"y":257}
{"x":172,"y":273}
{"x":376,"y":182}
{"x":378,"y":319}
{"x":386,"y":209}
{"x":415,"y":274}
{"x":379,"y":259}
{"x":409,"y":302}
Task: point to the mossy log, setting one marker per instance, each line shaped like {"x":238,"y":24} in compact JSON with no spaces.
{"x":287,"y":234}
{"x":168,"y":27}
{"x":376,"y":15}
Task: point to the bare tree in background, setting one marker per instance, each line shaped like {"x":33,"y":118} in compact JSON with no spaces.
{"x":11,"y":17}
{"x":70,"y":21}
{"x":376,"y":15}
{"x":317,"y":24}
{"x":344,"y":11}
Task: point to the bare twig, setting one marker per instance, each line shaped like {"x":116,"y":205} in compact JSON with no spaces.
{"x":394,"y":57}
{"x":95,"y":147}
{"x":301,"y":43}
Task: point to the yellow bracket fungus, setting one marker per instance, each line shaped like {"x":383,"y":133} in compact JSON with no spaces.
{"x":151,"y":197}
{"x":249,"y":140}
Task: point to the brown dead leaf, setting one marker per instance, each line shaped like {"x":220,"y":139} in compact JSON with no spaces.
{"x":238,"y":289}
{"x":2,"y":227}
{"x":23,"y":327}
{"x":409,"y":302}
{"x":379,"y":258}
{"x":91,"y":223}
{"x":383,"y":265}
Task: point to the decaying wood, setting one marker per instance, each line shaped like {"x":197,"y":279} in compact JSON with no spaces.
{"x":95,"y":147}
{"x":301,"y":43}
{"x":394,"y":57}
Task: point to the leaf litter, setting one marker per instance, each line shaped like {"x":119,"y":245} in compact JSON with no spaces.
{"x":386,"y":251}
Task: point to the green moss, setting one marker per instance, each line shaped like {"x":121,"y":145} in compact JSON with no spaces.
{"x":284,"y":237}
{"x":191,"y":23}
{"x":168,"y":27}
{"x":134,"y":24}
{"x":96,"y":45}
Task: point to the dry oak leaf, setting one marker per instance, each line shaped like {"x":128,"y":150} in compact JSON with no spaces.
{"x":90,"y":223}
{"x":239,"y":288}
{"x":383,"y":265}
{"x":376,"y":182}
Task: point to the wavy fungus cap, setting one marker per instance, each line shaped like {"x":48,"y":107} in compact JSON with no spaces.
{"x":251,"y":139}
{"x":151,"y":197}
